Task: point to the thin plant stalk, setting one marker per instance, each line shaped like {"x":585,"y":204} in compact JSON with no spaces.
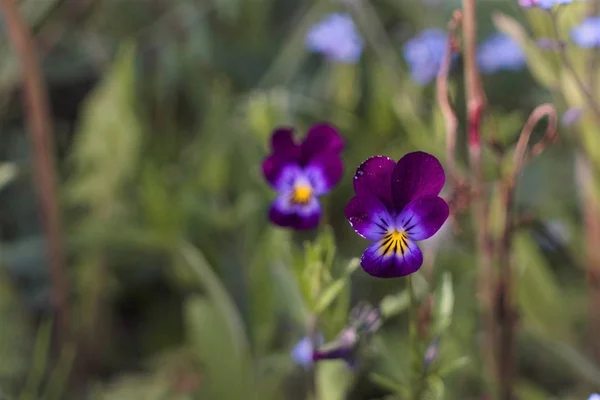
{"x":39,"y":122}
{"x":505,"y":311}
{"x":476,"y":103}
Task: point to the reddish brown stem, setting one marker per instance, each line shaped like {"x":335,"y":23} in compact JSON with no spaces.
{"x":450,"y":119}
{"x":505,"y":310}
{"x":40,"y":130}
{"x":475,"y":109}
{"x":591,"y":214}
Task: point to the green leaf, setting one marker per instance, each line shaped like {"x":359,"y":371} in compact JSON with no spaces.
{"x":452,"y":366}
{"x":16,"y":339}
{"x":218,"y":294}
{"x":227,"y":370}
{"x":8,"y":172}
{"x":330,"y":294}
{"x":39,"y":364}
{"x":395,"y":304}
{"x":107,"y":143}
{"x":334,"y":380}
{"x":538,"y":293}
{"x":574,"y":359}
{"x":442,"y":313}
{"x":530,"y":391}
{"x":274,"y":245}
{"x":387,"y":383}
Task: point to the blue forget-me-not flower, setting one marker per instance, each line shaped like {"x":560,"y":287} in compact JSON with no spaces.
{"x":500,"y":52}
{"x":587,"y":34}
{"x":337,"y":38}
{"x":424,"y":54}
{"x":545,"y":4}
{"x":302,"y":353}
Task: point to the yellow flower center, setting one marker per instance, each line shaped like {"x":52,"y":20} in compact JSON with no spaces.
{"x":302,"y":194}
{"x":394,"y":242}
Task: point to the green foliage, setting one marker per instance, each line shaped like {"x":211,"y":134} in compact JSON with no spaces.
{"x":182,"y":290}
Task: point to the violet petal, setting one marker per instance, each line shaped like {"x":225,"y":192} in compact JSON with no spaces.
{"x":394,"y":265}
{"x":423,"y":217}
{"x":280,"y":172}
{"x":374,"y":178}
{"x":416,"y":174}
{"x":282,"y":143}
{"x":300,"y":217}
{"x":324,"y":172}
{"x":321,"y":138}
{"x":368,"y":216}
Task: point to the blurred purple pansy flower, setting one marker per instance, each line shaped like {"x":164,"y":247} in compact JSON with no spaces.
{"x":587,"y":34}
{"x":300,"y":173}
{"x":594,"y":396}
{"x":337,"y":38}
{"x":545,"y":4}
{"x":424,"y":54}
{"x":500,"y":52}
{"x":302,"y":352}
{"x":396,"y":205}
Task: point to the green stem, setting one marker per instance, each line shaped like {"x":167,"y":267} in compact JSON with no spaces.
{"x":413,"y":336}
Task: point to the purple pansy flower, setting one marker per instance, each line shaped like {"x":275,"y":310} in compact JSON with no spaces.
{"x":594,"y":396}
{"x":424,"y":54}
{"x":337,"y":38}
{"x":300,"y":173}
{"x":396,"y":205}
{"x":587,"y":34}
{"x":500,"y":52}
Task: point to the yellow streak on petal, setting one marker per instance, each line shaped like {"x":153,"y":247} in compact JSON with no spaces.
{"x":394,"y":242}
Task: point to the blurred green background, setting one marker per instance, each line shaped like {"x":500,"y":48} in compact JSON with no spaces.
{"x":180,"y":288}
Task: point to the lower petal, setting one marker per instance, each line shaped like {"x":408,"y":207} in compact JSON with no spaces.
{"x":368,"y":216}
{"x":393,"y":265}
{"x":300,"y":217}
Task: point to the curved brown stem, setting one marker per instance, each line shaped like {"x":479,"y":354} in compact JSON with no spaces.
{"x":505,"y":312}
{"x":450,"y":119}
{"x":41,"y":135}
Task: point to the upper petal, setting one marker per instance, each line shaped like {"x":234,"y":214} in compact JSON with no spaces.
{"x":368,"y":216}
{"x":324,"y":172}
{"x":282,"y":142}
{"x":423,"y":217}
{"x":374,"y":178}
{"x":280,"y":171}
{"x":321,"y":138}
{"x":416,"y":174}
{"x":391,"y":266}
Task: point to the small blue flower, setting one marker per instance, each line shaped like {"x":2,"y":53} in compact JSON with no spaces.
{"x":424,"y":54}
{"x":587,"y":35}
{"x":545,"y":4}
{"x":337,"y":38}
{"x":594,"y":396}
{"x":500,"y":52}
{"x":302,"y":353}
